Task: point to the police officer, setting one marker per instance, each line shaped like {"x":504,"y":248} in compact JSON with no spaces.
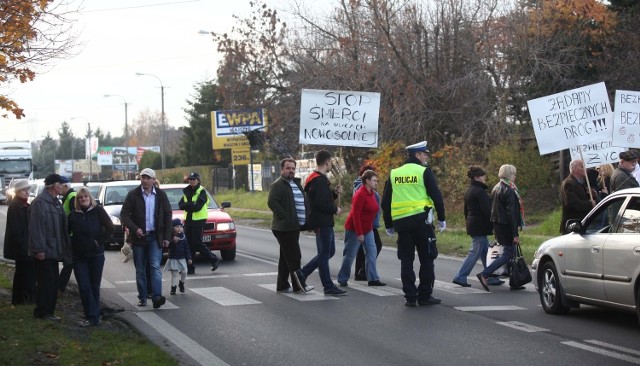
{"x":410,"y":196}
{"x":195,"y":204}
{"x":68,"y":205}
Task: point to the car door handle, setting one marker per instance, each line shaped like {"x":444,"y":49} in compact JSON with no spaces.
{"x":595,"y":250}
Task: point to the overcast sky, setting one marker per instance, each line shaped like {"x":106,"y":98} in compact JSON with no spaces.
{"x":121,"y":38}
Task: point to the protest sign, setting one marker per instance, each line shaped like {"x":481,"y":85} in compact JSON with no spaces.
{"x":626,"y":122}
{"x":597,"y":153}
{"x":339,"y":118}
{"x":572,"y":117}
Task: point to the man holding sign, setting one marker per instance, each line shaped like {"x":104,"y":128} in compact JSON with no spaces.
{"x":576,"y":202}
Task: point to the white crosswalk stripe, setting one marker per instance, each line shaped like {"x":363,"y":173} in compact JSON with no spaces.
{"x":617,"y":352}
{"x":309,"y":296}
{"x":224,"y":296}
{"x":374,"y":290}
{"x":489,"y":308}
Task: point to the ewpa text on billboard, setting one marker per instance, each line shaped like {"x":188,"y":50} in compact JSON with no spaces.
{"x":570,"y":118}
{"x":340,"y":118}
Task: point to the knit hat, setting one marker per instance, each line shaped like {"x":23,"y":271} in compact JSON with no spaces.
{"x":475,"y":171}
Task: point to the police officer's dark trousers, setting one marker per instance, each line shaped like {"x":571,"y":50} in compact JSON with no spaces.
{"x":410,"y":241}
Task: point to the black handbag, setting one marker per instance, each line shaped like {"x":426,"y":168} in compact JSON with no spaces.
{"x":519,"y":274}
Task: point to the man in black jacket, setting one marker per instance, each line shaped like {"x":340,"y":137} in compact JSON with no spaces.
{"x":323,"y":208}
{"x":195,"y":204}
{"x":287,"y":201}
{"x":148,"y":234}
{"x":574,"y":195}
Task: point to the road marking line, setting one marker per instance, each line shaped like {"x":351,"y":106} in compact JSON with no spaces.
{"x":523,"y":326}
{"x":456,"y":289}
{"x":224,"y":296}
{"x":132,"y":298}
{"x":247,"y":255}
{"x":373,"y":290}
{"x":213,"y":277}
{"x":194,"y":350}
{"x":309,"y":296}
{"x":106,"y":284}
{"x":261,"y":274}
{"x":604,"y":352}
{"x":613,"y":346}
{"x":488,"y":308}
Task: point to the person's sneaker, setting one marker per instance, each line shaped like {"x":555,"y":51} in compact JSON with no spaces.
{"x":86,"y":323}
{"x":158,"y":302}
{"x":343,"y":284}
{"x":377,"y":283}
{"x":287,"y":290}
{"x":173,"y":290}
{"x":411,"y":303}
{"x":429,"y":301}
{"x":463,"y":284}
{"x":483,"y":281}
{"x":142,"y":303}
{"x":181,"y":286}
{"x":214,"y":266}
{"x":335,"y":291}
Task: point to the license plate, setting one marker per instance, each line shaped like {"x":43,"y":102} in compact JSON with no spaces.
{"x":206,"y":238}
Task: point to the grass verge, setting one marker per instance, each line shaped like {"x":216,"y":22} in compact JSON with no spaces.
{"x":28,"y":341}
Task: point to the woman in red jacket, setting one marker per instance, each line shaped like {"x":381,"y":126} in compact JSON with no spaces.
{"x":359,"y":231}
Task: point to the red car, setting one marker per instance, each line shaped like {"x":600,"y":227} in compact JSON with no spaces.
{"x":219,"y":231}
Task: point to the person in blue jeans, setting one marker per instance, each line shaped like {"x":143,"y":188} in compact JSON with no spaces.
{"x":321,"y":220}
{"x":89,"y":227}
{"x":477,"y":213}
{"x":507,"y":217}
{"x":146,"y":212}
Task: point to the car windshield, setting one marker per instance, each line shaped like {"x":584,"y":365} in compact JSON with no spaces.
{"x":175,"y":195}
{"x":115,"y":195}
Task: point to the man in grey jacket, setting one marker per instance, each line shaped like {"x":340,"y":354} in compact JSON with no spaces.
{"x":287,"y":201}
{"x":48,"y":244}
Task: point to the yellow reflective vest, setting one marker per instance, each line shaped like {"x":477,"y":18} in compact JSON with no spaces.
{"x":66,"y":205}
{"x":409,"y":195}
{"x":202,"y":214}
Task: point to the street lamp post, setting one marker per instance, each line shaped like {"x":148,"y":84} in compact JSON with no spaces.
{"x":162,"y":139}
{"x":126,"y":131}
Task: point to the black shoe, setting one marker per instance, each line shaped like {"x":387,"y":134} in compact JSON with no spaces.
{"x":158,"y":302}
{"x":214,"y":266}
{"x":515,"y":288}
{"x":411,"y":303}
{"x":463,"y":284}
{"x":483,"y":281}
{"x":181,"y":286}
{"x":191,"y":271}
{"x":429,"y":301}
{"x":173,"y":290}
{"x":142,"y":303}
{"x":343,"y":284}
{"x":305,"y":290}
{"x":335,"y":291}
{"x":377,"y":283}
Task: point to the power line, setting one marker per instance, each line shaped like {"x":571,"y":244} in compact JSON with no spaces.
{"x":140,"y":6}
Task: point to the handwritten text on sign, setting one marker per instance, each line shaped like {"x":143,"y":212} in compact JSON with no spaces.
{"x":597,"y":152}
{"x":573,"y":117}
{"x":626,"y":124}
{"x":341,"y":118}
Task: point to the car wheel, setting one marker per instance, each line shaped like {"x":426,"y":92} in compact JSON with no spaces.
{"x":228,"y":254}
{"x":551,"y":290}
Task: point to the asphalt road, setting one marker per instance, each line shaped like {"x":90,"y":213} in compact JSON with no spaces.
{"x":234,"y":317}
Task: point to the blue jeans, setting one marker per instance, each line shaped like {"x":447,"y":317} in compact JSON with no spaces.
{"x":151,"y":253}
{"x":326,"y":244}
{"x":88,"y":272}
{"x":351,"y":246}
{"x":478,"y":250}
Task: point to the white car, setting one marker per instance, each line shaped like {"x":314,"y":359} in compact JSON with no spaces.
{"x":597,"y":263}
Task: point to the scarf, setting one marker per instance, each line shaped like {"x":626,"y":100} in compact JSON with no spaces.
{"x":515,"y":189}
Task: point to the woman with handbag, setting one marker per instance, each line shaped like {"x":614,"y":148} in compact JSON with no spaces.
{"x":507,"y":216}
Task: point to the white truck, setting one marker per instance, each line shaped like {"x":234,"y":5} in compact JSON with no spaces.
{"x":16,"y":162}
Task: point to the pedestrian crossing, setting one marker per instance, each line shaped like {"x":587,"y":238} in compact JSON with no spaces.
{"x":225,"y":296}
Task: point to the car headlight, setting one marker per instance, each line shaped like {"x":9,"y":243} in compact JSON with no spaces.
{"x":224,"y":226}
{"x":115,"y":220}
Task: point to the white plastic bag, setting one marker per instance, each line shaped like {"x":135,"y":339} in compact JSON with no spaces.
{"x":495,"y":250}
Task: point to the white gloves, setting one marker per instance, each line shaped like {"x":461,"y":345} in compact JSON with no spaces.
{"x":442,"y":225}
{"x":390,"y":232}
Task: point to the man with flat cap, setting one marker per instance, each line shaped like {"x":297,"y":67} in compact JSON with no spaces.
{"x":195,"y":204}
{"x":622,"y":177}
{"x":146,"y":212}
{"x":574,"y":195}
{"x":49,"y":244}
{"x":410,"y":195}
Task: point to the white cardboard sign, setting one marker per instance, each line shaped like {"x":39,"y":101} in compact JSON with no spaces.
{"x":626,"y":124}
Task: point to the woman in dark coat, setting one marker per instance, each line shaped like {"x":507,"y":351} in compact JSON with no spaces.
{"x":89,"y":226}
{"x":16,"y":237}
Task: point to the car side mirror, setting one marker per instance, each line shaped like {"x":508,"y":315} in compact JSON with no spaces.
{"x":574,"y":226}
{"x":226,"y":204}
